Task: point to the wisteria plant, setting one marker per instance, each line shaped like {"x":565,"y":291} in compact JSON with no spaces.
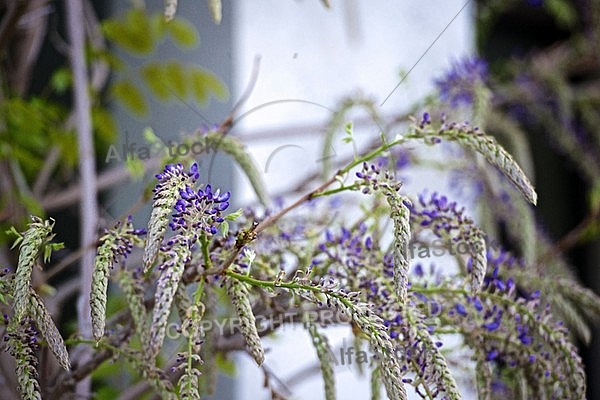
{"x":198,"y":257}
{"x":498,"y":318}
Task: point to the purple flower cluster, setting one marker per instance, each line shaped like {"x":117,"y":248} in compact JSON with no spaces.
{"x":458,"y":86}
{"x":120,"y":240}
{"x":437,"y":213}
{"x":504,"y":259}
{"x":346,"y":247}
{"x":166,"y":193}
{"x":346,"y":254}
{"x":398,"y":158}
{"x":425,"y":120}
{"x":27,"y":334}
{"x":374,"y":178}
{"x":199,"y":209}
{"x":176,"y":170}
{"x":173,"y":176}
{"x":512,"y":327}
{"x":22,"y":344}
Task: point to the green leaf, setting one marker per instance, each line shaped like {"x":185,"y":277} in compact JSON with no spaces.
{"x":154,"y":77}
{"x":130,"y":96}
{"x":61,"y":80}
{"x":67,"y":143}
{"x":349,"y":133}
{"x":107,"y":392}
{"x":199,"y":87}
{"x":151,"y":137}
{"x":234,"y":215}
{"x":224,"y":228}
{"x":31,"y":204}
{"x":49,"y":248}
{"x":563,"y":12}
{"x":176,"y":78}
{"x":13,"y":232}
{"x":183,"y":33}
{"x":224,"y":364}
{"x":104,"y":125}
{"x":114,"y":62}
{"x":158,"y":24}
{"x":217,"y":87}
{"x":348,"y":129}
{"x":205,"y":82}
{"x":139,"y":30}
{"x":133,"y":32}
{"x":135,"y":166}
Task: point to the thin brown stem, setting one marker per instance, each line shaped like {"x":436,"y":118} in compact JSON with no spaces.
{"x":247,"y":236}
{"x":308,"y":196}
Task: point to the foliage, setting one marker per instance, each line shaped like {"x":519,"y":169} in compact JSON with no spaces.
{"x":140,"y":34}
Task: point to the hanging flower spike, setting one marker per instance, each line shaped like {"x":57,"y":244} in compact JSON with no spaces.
{"x":323,"y":349}
{"x":115,"y":245}
{"x":478,"y":260}
{"x":432,"y":368}
{"x":22,"y":345}
{"x":372,"y":326}
{"x":238,"y":293}
{"x":374,"y":179}
{"x":402,"y":234}
{"x":133,"y":290}
{"x":49,"y":331}
{"x":177,"y":254}
{"x":473,"y":138}
{"x":166,"y":194}
{"x":31,"y":244}
{"x":448,"y":222}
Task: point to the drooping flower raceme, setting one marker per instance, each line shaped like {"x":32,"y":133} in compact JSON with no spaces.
{"x":22,"y":345}
{"x":115,"y":245}
{"x":475,"y":139}
{"x":195,"y":213}
{"x":166,"y":193}
{"x":373,"y":178}
{"x":448,"y":222}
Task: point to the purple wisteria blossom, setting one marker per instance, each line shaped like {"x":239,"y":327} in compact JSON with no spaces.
{"x":199,"y":209}
{"x":458,"y":85}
